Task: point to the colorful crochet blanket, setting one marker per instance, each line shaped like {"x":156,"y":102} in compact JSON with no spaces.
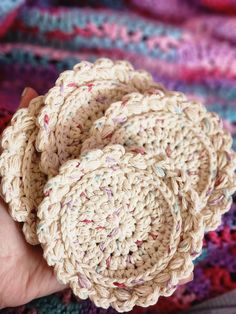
{"x":189,"y":46}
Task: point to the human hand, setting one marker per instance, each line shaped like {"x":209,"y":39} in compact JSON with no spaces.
{"x":24,"y":274}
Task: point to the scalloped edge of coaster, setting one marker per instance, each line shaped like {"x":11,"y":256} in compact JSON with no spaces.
{"x":23,"y":132}
{"x":81,"y":75}
{"x":137,"y":104}
{"x":48,"y":235}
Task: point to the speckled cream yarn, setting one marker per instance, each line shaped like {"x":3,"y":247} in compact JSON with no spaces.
{"x":112,"y":228}
{"x":79,"y":97}
{"x":22,"y":181}
{"x":193,"y":139}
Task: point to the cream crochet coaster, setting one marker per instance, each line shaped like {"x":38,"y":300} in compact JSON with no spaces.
{"x":22,"y":181}
{"x":115,"y":229}
{"x":80,"y":97}
{"x":193,"y":139}
{"x":123,"y":223}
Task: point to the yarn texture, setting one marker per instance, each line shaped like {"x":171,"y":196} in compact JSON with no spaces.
{"x":188,"y":46}
{"x":115,"y":230}
{"x":78,"y":99}
{"x":192,"y":138}
{"x":118,"y":179}
{"x":22,"y":180}
{"x":63,"y":123}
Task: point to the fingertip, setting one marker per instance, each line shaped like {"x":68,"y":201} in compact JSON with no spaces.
{"x":27,"y":95}
{"x":186,"y":280}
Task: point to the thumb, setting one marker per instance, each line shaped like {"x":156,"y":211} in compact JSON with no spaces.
{"x":27,"y":95}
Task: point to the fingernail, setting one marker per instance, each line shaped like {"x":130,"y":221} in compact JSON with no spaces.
{"x":24,"y":92}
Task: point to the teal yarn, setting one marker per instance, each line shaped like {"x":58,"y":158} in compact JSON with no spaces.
{"x":6,"y":6}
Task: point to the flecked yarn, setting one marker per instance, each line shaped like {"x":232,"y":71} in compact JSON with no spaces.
{"x":117,"y":231}
{"x":79,"y":98}
{"x":22,"y":180}
{"x":63,"y":123}
{"x":193,"y":139}
{"x":195,"y":55}
{"x":118,"y":179}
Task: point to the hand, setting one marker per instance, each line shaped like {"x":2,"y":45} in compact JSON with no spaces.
{"x":24,"y":274}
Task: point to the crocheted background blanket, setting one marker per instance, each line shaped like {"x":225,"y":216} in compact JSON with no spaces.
{"x":187,"y":45}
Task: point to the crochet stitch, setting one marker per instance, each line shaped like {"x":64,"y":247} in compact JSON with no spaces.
{"x":122,"y":227}
{"x":115,"y":205}
{"x":65,"y":115}
{"x":112,"y":227}
{"x":22,"y":181}
{"x":203,"y":71}
{"x":168,"y":123}
{"x":80,"y":97}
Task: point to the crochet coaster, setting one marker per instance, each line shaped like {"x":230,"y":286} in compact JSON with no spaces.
{"x":80,"y":97}
{"x":112,"y":227}
{"x":22,"y":181}
{"x":193,"y":139}
{"x":75,"y":107}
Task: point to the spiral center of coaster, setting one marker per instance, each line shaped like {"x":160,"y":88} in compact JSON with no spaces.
{"x":123,"y":223}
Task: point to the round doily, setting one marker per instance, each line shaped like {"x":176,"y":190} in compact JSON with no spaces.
{"x":22,"y":181}
{"x":113,"y":227}
{"x":168,"y":123}
{"x":80,"y":97}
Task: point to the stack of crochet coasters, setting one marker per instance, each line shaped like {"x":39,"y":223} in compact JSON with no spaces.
{"x":117,"y":179}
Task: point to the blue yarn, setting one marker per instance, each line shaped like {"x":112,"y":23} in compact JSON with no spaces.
{"x":229,"y":93}
{"x":174,"y":32}
{"x":132,"y":47}
{"x":44,"y":22}
{"x":203,"y":90}
{"x":65,"y":25}
{"x":120,"y":44}
{"x":79,"y":21}
{"x":32,"y":19}
{"x":4,"y":59}
{"x":156,"y":53}
{"x":22,"y":56}
{"x":67,"y":63}
{"x":228,"y":113}
{"x":107,"y":43}
{"x":201,"y":257}
{"x":141,"y":47}
{"x":53,"y":23}
{"x":117,"y":4}
{"x":53,"y":305}
{"x":94,"y":42}
{"x":25,"y":57}
{"x":6,"y":6}
{"x":97,"y":19}
{"x":79,"y":18}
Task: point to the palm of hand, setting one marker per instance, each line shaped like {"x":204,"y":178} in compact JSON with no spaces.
{"x":24,"y":275}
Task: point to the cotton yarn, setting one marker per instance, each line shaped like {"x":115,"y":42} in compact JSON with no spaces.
{"x":196,"y":55}
{"x":78,"y":99}
{"x":114,"y":229}
{"x":118,"y":179}
{"x":62,"y":129}
{"x":22,"y":180}
{"x":193,"y":139}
